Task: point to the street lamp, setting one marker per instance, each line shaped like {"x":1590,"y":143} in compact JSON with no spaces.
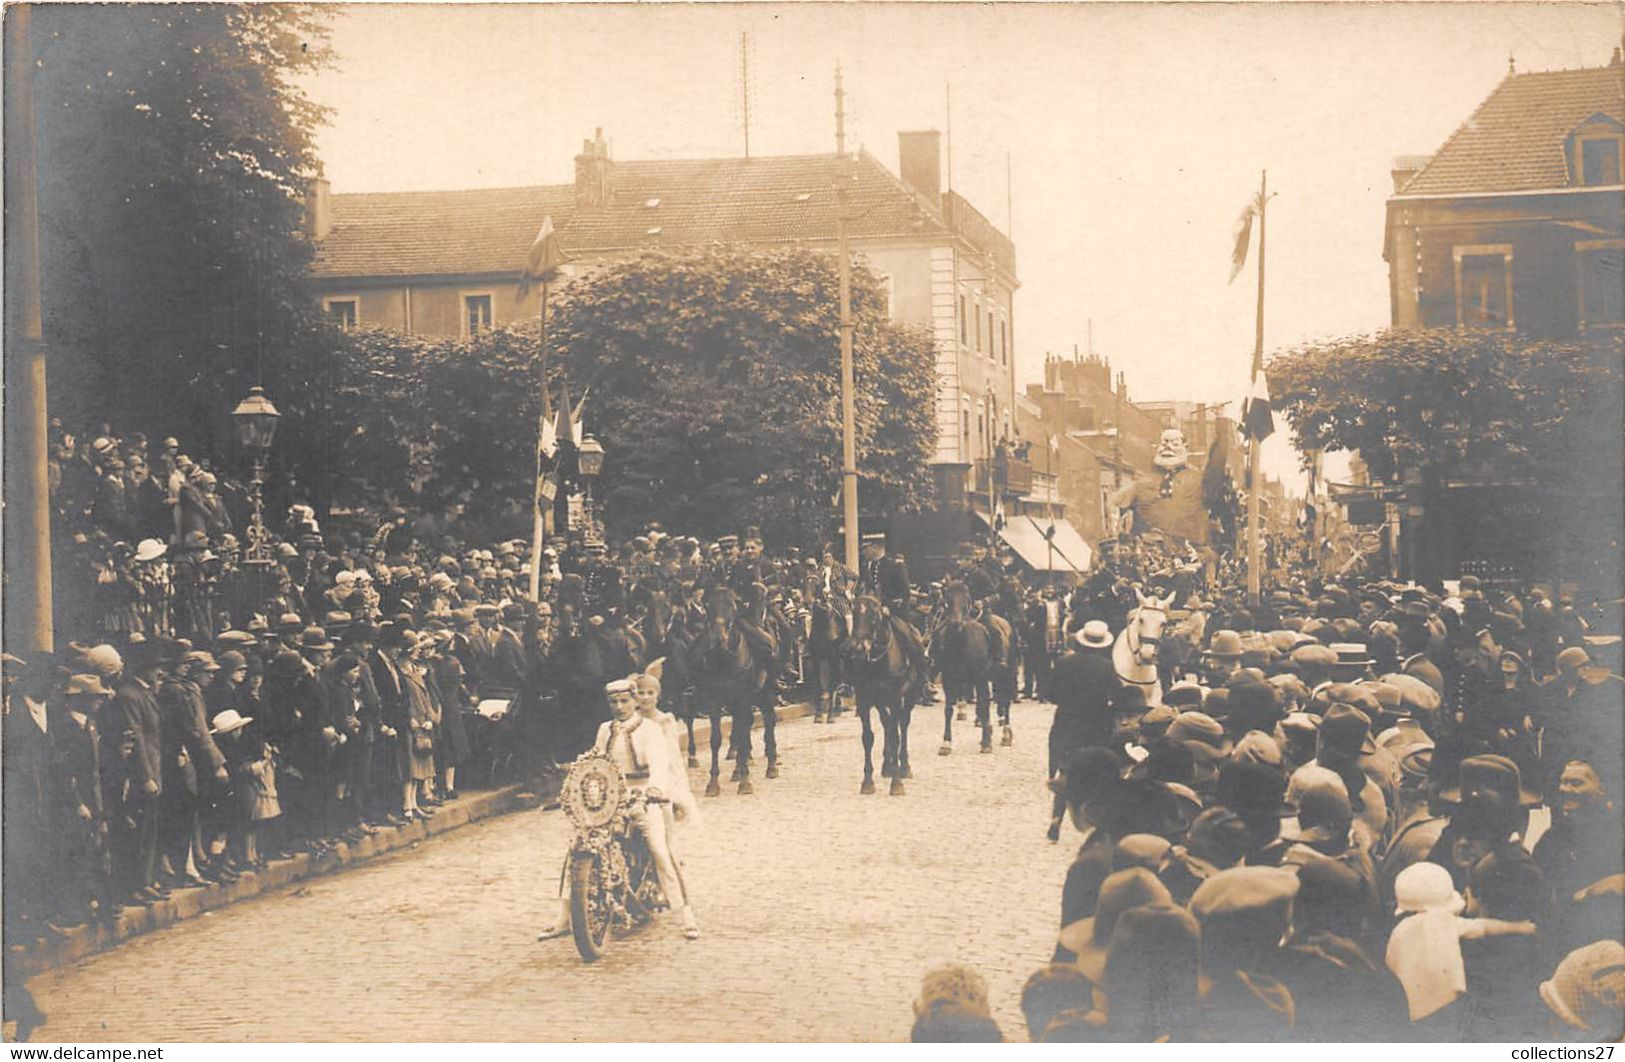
{"x":256,"y":420}
{"x":589,"y":463}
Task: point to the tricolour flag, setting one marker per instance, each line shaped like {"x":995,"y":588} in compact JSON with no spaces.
{"x":577,"y":430}
{"x":544,"y":259}
{"x":1257,"y":417}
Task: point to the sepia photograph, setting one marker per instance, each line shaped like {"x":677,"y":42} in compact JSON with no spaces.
{"x":804,"y":523}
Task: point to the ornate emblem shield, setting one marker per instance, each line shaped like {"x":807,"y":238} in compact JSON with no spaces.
{"x":592,"y":792}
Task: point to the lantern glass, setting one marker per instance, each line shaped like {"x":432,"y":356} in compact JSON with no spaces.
{"x":590,"y":457}
{"x":256,"y":420}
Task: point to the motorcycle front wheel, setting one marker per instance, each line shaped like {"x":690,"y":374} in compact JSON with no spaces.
{"x":589,"y":907}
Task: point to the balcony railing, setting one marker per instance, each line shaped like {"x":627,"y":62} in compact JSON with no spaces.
{"x":1009,"y":475}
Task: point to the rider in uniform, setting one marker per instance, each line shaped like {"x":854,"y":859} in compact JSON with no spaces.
{"x":639,"y":747}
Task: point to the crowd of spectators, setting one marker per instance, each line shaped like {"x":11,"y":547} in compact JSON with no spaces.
{"x":211,"y":708}
{"x":1364,"y":812}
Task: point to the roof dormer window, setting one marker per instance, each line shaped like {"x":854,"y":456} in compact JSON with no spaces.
{"x":1599,"y":159}
{"x":1596,"y":149}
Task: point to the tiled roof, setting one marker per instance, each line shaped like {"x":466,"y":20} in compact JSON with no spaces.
{"x":1516,"y":140}
{"x":701,"y":201}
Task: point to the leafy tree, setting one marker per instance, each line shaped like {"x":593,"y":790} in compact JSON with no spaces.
{"x":715,"y":388}
{"x":175,"y":151}
{"x":1453,"y":398}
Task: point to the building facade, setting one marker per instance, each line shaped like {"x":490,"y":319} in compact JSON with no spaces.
{"x":1517,"y":224}
{"x":1518,"y":221}
{"x":446,"y":263}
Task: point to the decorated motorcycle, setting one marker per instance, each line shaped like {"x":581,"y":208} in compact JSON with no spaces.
{"x":613,"y":885}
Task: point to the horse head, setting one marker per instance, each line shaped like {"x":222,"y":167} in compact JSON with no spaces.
{"x":1145,"y":626}
{"x":869,"y":634}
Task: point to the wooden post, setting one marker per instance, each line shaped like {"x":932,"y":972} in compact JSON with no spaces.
{"x":1255,"y":545}
{"x":28,"y":527}
{"x":849,"y":417}
{"x":538,"y":518}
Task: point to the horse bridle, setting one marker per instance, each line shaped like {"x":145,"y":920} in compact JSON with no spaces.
{"x":1134,"y":639}
{"x":880,"y":640}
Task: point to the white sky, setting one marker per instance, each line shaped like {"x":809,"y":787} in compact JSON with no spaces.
{"x":1135,"y":133}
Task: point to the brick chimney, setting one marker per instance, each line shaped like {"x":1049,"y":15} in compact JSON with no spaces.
{"x":1406,"y":167}
{"x":919,"y":163}
{"x":594,"y":172}
{"x":319,"y":209}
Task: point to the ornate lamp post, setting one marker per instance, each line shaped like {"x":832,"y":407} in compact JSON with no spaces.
{"x":256,"y":420}
{"x":589,"y":463}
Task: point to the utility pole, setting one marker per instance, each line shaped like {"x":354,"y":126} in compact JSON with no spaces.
{"x":1255,"y":545}
{"x":28,"y":527}
{"x":849,"y":417}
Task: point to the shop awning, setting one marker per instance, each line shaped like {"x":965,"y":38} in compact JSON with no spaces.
{"x":1066,"y":551}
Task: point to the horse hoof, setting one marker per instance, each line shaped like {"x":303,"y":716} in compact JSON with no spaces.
{"x":908,"y":772}
{"x":896,"y":787}
{"x":987,"y":748}
{"x":732,"y":754}
{"x":959,"y":715}
{"x":693,"y":761}
{"x":772,"y":770}
{"x":1053,"y":834}
{"x":867,"y":788}
{"x":713,"y":789}
{"x":745,"y":788}
{"x":1009,"y":738}
{"x":945,"y":749}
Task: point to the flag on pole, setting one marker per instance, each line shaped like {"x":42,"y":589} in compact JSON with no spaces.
{"x":577,"y":431}
{"x":544,"y":259}
{"x":1243,"y":238}
{"x":1257,"y":417}
{"x":562,"y":426}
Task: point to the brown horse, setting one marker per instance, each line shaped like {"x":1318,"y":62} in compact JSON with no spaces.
{"x":826,"y":640}
{"x":882,"y":676}
{"x":962,"y":650}
{"x":729,"y":662}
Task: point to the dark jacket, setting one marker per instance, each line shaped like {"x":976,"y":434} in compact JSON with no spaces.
{"x":1081,"y":685}
{"x":140,"y":721}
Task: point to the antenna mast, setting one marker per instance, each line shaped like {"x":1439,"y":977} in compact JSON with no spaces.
{"x":744,"y":87}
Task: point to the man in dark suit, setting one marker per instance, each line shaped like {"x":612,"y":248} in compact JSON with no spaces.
{"x":1081,"y":685}
{"x":139,"y":719}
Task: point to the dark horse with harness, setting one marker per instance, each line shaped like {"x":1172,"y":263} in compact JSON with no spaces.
{"x":827,"y":630}
{"x":883,"y":672}
{"x":730,"y":662}
{"x":968,"y":653}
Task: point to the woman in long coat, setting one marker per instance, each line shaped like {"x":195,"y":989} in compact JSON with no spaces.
{"x":452,"y":748}
{"x":420,"y":715}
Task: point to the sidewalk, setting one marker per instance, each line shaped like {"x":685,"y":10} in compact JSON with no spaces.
{"x":84,"y":941}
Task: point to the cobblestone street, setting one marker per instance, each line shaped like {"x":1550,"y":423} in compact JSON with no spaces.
{"x":820,"y":909}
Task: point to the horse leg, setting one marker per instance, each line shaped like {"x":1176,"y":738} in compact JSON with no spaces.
{"x":743,"y":717}
{"x":984,"y":714}
{"x":693,"y":760}
{"x":892,"y":718}
{"x":713,"y":789}
{"x":905,"y":712}
{"x":770,"y":744}
{"x":1006,"y":694}
{"x":868,"y":786}
{"x":947,"y":745}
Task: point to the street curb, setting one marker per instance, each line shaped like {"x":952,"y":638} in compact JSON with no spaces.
{"x":81,"y":942}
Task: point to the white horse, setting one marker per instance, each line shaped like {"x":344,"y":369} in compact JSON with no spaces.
{"x":1134,"y":654}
